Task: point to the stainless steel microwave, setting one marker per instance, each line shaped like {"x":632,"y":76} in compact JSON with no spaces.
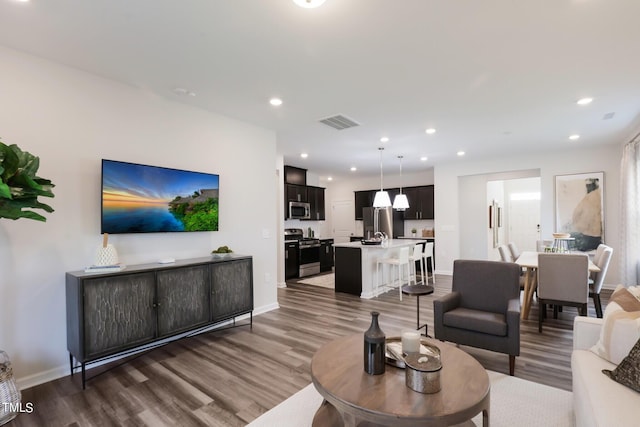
{"x":299,"y":210}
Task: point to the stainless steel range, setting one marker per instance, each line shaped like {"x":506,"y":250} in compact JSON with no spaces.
{"x":308,"y":252}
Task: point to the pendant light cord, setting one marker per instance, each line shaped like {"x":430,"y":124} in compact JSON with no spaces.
{"x":380,"y":149}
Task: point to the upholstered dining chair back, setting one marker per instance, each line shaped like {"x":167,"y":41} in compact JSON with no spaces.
{"x":603,"y":264}
{"x":599,"y":251}
{"x":563,"y":277}
{"x":505,"y":255}
{"x":515,"y":252}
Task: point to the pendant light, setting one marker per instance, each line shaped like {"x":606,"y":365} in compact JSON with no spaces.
{"x":400,"y":202}
{"x":381,"y":200}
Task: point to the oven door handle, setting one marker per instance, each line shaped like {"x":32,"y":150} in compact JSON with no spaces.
{"x":309,"y":246}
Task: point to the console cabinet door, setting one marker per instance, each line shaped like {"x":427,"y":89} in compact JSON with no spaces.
{"x":119,"y":312}
{"x":232,"y":288}
{"x":182,"y":299}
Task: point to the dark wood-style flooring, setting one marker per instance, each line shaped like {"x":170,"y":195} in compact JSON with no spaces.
{"x":230,"y":377}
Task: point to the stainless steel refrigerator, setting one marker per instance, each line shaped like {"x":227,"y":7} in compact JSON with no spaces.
{"x":389,"y":221}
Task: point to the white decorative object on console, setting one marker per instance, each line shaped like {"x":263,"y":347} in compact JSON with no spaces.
{"x":106,"y":254}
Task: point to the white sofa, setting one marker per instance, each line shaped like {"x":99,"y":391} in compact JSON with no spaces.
{"x":598,"y":400}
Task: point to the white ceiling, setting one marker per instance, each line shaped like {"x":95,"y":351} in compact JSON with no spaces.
{"x":492,"y":76}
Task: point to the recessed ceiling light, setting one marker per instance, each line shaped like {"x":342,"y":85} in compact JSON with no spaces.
{"x":430,"y":131}
{"x":574,"y":137}
{"x":584,"y":101}
{"x":384,"y":139}
{"x":329,"y":178}
{"x":309,"y":4}
{"x":423,"y":159}
{"x":275,"y":102}
{"x":304,"y":155}
{"x":353,"y":169}
{"x":460,"y":153}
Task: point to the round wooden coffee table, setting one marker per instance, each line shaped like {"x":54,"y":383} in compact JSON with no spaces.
{"x":354,"y":398}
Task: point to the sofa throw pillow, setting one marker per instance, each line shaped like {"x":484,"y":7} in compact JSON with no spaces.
{"x":621,"y":325}
{"x":628,"y":371}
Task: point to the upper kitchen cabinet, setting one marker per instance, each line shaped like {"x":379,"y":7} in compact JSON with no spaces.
{"x":293,"y":175}
{"x":420,"y":202}
{"x":297,"y":190}
{"x":315,"y":196}
{"x":297,"y":193}
{"x":363,"y":199}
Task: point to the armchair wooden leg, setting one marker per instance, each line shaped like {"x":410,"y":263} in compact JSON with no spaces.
{"x":512,"y":364}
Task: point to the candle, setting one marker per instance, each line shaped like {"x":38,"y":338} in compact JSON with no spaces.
{"x":410,"y":342}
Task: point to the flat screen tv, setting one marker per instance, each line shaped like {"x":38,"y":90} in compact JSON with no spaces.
{"x":150,"y":199}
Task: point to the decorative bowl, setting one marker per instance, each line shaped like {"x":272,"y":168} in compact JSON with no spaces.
{"x":221,"y":254}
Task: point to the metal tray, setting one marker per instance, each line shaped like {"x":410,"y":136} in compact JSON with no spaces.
{"x":396,"y":358}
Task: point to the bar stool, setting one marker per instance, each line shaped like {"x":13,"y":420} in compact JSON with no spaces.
{"x":417,"y":257}
{"x":427,"y":255}
{"x":400,"y":262}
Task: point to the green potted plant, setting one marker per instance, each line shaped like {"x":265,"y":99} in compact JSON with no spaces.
{"x":19,"y":185}
{"x":413,"y":232}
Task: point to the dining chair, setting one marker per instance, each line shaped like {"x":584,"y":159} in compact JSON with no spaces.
{"x":400,"y":261}
{"x":505,"y":254}
{"x":596,"y":285}
{"x":427,"y":256}
{"x":515,"y":252}
{"x":562,"y":280}
{"x":416,"y":256}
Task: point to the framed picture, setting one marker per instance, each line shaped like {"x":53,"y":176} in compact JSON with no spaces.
{"x":580,"y":208}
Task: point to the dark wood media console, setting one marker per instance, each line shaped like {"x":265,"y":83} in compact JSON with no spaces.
{"x":113,"y":314}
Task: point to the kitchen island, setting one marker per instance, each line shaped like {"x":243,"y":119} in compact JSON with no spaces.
{"x":355,"y":264}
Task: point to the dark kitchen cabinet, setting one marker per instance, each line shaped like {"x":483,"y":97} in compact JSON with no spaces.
{"x":363,"y":199}
{"x":315,"y":196}
{"x":421,"y":204}
{"x":326,"y":255}
{"x":294,"y":175}
{"x":296,"y":193}
{"x":291,"y":261}
{"x":110,"y":314}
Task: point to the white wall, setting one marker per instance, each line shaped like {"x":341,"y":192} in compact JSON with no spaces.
{"x":448,"y":211}
{"x":71,"y":120}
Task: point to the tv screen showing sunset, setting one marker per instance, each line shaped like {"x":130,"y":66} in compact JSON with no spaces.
{"x":149,"y":199}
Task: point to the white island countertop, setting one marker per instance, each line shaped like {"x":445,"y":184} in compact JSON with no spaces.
{"x":389,"y":244}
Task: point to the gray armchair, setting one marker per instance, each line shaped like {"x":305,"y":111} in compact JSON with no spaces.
{"x":483,"y":309}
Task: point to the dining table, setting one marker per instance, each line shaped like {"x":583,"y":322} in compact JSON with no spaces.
{"x":529,"y":261}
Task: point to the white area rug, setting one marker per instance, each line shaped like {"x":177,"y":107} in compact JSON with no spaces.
{"x":324,"y":281}
{"x":514,"y":402}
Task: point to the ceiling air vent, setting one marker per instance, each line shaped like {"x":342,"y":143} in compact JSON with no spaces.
{"x":339,"y":122}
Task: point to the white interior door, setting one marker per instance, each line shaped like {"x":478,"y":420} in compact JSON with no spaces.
{"x":344,"y":224}
{"x":524,"y":218}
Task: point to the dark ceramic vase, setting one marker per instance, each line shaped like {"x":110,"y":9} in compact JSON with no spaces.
{"x":374,"y":347}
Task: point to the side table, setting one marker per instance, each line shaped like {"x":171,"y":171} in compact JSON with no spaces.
{"x":418,"y":290}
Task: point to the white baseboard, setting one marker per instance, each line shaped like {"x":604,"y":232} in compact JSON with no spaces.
{"x":62,"y":371}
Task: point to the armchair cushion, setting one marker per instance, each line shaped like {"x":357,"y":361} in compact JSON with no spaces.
{"x":475,"y":320}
